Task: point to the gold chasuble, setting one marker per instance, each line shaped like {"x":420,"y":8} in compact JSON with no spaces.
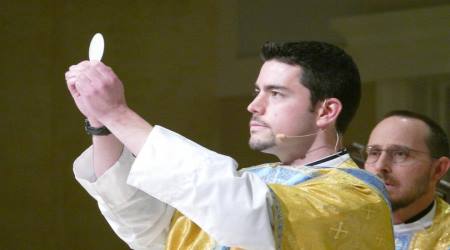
{"x":328,"y":204}
{"x":435,"y":237}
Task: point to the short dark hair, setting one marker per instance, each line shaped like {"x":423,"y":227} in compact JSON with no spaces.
{"x":327,"y":72}
{"x":437,"y":140}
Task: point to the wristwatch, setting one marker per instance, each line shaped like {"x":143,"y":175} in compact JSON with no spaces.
{"x":95,"y":131}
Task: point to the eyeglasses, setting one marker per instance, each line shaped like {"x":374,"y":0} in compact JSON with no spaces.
{"x":397,"y":154}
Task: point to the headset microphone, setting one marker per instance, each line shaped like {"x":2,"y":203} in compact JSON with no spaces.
{"x":283,"y":137}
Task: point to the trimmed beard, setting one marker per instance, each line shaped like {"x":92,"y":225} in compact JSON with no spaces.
{"x":420,"y":188}
{"x":261,"y":144}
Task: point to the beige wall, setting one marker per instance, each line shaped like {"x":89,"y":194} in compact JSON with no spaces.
{"x":164,"y":52}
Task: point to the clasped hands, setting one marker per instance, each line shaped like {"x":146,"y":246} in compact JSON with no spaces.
{"x":97,"y":91}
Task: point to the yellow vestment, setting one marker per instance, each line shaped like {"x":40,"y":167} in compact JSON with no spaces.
{"x":314,"y":207}
{"x":435,"y":237}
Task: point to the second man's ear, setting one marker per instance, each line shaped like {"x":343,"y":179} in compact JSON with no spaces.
{"x":442,"y":166}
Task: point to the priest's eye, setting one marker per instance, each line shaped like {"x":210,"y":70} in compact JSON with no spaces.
{"x":373,"y":152}
{"x":275,"y":93}
{"x":399,"y":155}
{"x":255,"y":92}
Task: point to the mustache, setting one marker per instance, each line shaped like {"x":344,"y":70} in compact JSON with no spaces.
{"x":258,"y":120}
{"x":385,"y":178}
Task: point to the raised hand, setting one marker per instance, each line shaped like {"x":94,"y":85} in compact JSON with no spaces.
{"x":96,"y":89}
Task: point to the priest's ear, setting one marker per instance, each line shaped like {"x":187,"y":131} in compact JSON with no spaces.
{"x":442,"y":164}
{"x":328,"y":111}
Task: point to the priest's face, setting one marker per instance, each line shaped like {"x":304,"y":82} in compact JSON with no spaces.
{"x":281,"y":106}
{"x":397,"y":152}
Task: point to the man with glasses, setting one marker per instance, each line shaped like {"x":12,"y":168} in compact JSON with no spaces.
{"x":410,"y":152}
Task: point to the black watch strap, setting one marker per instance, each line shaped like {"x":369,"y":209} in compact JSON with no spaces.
{"x":95,"y":131}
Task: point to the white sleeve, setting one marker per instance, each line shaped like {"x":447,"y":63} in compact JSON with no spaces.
{"x":137,"y":218}
{"x":205,"y":187}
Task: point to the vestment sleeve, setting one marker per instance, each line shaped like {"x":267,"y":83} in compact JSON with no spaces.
{"x":232,"y":208}
{"x":137,"y":218}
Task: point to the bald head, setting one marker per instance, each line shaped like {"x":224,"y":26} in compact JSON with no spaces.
{"x":404,"y":131}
